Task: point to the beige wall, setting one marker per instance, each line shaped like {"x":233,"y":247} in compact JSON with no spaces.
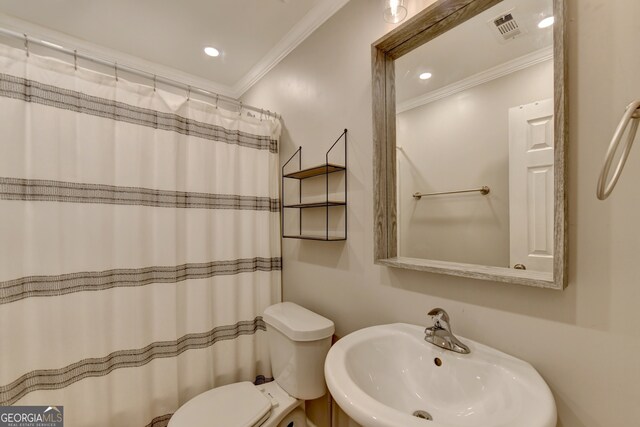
{"x":584,"y":341}
{"x":440,"y":154}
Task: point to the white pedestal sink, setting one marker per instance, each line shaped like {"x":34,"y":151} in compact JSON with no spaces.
{"x":381,"y":376}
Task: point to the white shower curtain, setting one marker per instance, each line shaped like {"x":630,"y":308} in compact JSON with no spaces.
{"x":139,"y":244}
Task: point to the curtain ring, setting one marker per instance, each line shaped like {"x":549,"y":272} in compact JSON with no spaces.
{"x":75,"y":59}
{"x":155,"y":82}
{"x":26,"y":44}
{"x":115,"y":68}
{"x":240,"y":109}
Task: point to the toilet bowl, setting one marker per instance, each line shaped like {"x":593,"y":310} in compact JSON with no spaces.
{"x":298,"y":344}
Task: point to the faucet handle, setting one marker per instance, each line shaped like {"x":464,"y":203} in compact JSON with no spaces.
{"x":440,"y":318}
{"x":440,"y":333}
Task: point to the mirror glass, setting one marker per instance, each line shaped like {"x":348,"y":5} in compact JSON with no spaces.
{"x":475,"y":121}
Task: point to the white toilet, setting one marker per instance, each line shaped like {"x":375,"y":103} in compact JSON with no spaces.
{"x":299,"y":341}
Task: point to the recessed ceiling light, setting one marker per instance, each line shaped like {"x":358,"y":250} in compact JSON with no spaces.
{"x":546,"y":22}
{"x":425,"y":76}
{"x":211,"y":51}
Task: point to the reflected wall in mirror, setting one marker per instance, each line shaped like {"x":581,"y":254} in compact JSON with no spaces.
{"x":471,"y":156}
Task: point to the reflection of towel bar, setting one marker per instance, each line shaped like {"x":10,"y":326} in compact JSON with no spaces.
{"x":484,"y":190}
{"x":632,"y":115}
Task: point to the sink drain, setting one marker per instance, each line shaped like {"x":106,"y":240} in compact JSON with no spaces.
{"x":423,"y":415}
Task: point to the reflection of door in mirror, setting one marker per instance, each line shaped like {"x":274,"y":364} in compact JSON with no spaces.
{"x":531,"y":185}
{"x":457,"y":129}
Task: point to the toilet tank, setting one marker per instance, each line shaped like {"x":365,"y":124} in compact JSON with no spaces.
{"x":299,"y":341}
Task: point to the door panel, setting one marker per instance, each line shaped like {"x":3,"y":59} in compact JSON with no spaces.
{"x":531,"y":196}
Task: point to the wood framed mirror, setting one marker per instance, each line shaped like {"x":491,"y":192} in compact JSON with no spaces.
{"x":506,"y":218}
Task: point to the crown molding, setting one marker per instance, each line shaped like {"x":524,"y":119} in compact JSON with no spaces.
{"x":317,"y":16}
{"x":303,"y":29}
{"x":35,"y":31}
{"x":496,"y":72}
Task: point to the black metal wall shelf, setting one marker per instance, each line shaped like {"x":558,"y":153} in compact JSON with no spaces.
{"x":321,"y":170}
{"x":315,"y":171}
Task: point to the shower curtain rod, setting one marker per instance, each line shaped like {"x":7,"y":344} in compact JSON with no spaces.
{"x":132,"y":70}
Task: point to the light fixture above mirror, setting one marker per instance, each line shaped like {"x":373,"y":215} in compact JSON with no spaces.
{"x":395,"y":11}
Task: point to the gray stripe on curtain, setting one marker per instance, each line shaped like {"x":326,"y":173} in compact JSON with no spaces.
{"x":55,"y":285}
{"x":53,"y":96}
{"x":53,"y":379}
{"x":61,"y":191}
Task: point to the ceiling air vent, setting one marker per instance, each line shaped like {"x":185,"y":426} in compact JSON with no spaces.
{"x":506,"y":26}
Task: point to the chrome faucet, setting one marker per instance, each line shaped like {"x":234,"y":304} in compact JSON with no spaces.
{"x":440,"y":333}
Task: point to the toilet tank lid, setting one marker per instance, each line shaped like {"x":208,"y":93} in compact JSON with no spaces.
{"x":298,"y":323}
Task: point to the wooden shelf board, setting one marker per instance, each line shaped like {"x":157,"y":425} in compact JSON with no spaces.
{"x":315,"y":171}
{"x":315,"y":205}
{"x":319,"y":238}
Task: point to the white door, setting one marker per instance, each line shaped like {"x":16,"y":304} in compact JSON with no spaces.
{"x":531,"y":208}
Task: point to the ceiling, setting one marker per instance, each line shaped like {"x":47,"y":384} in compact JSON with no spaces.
{"x":252,"y":35}
{"x":471,"y":48}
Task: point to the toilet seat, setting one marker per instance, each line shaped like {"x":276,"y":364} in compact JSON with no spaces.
{"x":234,"y":405}
{"x":298,"y":344}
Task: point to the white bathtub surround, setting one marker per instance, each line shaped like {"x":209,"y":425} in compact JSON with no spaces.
{"x":139,"y":244}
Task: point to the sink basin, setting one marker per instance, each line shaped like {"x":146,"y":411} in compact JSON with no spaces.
{"x":381,"y":376}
